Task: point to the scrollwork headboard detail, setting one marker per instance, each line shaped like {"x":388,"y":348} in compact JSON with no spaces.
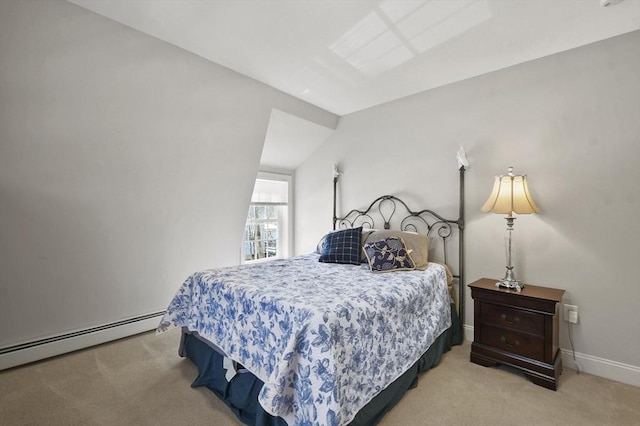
{"x":426,"y":221}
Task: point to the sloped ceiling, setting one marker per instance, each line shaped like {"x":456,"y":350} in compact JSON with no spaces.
{"x":348,"y":55}
{"x":345,"y":56}
{"x":289,"y":141}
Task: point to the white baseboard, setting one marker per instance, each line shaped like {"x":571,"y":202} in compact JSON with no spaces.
{"x":612,"y":370}
{"x":468,"y":332}
{"x":69,"y":342}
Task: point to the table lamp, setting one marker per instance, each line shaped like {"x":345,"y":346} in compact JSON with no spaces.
{"x":510,"y":195}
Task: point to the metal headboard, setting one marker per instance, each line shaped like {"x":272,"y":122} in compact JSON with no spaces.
{"x":425,"y":221}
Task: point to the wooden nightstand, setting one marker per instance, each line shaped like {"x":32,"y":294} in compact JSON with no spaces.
{"x":517,"y":329}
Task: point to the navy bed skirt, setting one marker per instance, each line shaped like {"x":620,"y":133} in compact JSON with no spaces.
{"x":241,"y":393}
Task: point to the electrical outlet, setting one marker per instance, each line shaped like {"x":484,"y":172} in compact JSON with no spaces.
{"x":571,"y":313}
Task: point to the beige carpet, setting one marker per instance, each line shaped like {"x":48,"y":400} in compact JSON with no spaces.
{"x":142,"y":381}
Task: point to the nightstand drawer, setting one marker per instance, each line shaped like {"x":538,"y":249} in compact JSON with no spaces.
{"x":513,"y":342}
{"x":511,"y":318}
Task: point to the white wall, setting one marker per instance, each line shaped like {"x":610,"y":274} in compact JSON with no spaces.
{"x":570,"y":122}
{"x":125,"y":165}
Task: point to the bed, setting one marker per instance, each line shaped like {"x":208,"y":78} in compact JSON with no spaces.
{"x":326,"y":338}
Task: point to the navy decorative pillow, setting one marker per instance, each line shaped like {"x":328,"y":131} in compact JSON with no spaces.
{"x":388,"y":255}
{"x":341,"y":246}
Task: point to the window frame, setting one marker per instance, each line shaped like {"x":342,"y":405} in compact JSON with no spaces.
{"x":287,"y":239}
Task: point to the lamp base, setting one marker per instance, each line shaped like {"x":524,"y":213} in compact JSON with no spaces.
{"x":511,"y":284}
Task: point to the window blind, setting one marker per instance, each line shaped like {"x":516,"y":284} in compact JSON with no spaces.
{"x":272,"y":192}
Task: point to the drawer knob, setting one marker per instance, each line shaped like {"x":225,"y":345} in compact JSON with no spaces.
{"x":516,"y":320}
{"x":503,"y":339}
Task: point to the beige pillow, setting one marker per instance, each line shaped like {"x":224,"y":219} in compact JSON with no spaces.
{"x":417,"y":243}
{"x":449,"y":281}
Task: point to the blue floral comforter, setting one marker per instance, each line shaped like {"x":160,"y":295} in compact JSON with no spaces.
{"x":324,"y":338}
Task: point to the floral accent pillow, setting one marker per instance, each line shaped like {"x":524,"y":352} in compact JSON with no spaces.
{"x":388,"y":255}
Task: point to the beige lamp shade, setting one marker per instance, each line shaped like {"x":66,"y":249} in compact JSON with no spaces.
{"x":510,"y":194}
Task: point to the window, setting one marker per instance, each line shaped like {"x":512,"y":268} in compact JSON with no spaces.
{"x":266,"y":232}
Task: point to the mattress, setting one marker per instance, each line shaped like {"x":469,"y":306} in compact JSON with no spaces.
{"x":323,"y":339}
{"x":240,"y":393}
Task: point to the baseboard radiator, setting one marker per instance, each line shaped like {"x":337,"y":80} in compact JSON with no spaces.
{"x":39,"y":349}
